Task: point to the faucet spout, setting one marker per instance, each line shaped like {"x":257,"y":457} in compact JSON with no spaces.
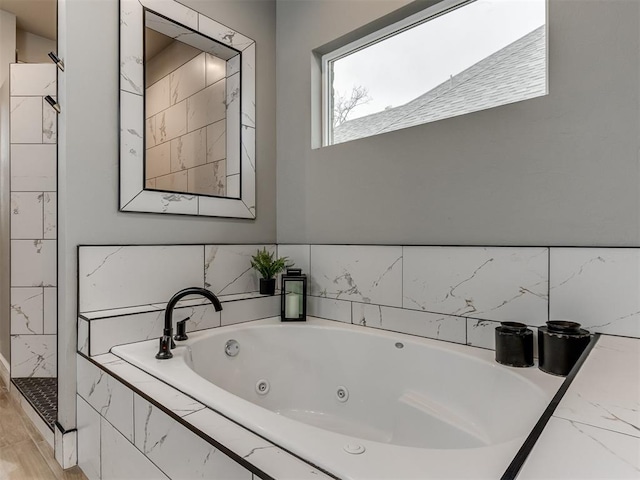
{"x":166,"y":341}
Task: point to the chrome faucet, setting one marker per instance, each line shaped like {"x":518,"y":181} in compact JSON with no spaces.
{"x":166,"y":341}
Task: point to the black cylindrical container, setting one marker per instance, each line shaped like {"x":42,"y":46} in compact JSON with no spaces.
{"x":514,"y":344}
{"x":560,"y":344}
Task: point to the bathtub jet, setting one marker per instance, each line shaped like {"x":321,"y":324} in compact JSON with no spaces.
{"x":166,"y":341}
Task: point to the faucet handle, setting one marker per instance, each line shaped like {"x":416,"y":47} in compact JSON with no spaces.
{"x":165,"y":348}
{"x":181,"y":330}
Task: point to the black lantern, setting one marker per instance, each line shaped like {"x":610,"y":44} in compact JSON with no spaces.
{"x":293,"y":296}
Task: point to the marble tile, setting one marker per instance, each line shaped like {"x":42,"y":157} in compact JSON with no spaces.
{"x":33,"y":168}
{"x":172,"y":122}
{"x":163,"y":202}
{"x":188,"y":151}
{"x":162,"y":440}
{"x":131,"y":146}
{"x":299,"y":255}
{"x":175,"y":182}
{"x":106,"y":395}
{"x":88,"y":424}
{"x":27,"y":311}
{"x":227,"y":268}
{"x":216,"y":68}
{"x":158,"y":160}
{"x":26,"y":119}
{"x":50,"y":213}
{"x":50,"y":310}
{"x":26,"y":215}
{"x":253,"y":309}
{"x":157,"y":97}
{"x":66,"y":448}
{"x":150,"y":132}
{"x":189,"y":79}
{"x":233,"y":186}
{"x":33,"y":356}
{"x":249,"y":86}
{"x":499,"y":283}
{"x":329,"y":308}
{"x":49,"y":123}
{"x":206,"y":107}
{"x":168,"y":396}
{"x":32,"y":79}
{"x":121,"y":276}
{"x":216,"y":141}
{"x":150,"y":183}
{"x":121,"y":460}
{"x":119,"y":312}
{"x":108,"y":332}
{"x":223,"y":34}
{"x":606,"y":391}
{"x":566,"y":450}
{"x":83,"y":336}
{"x":424,"y":324}
{"x":597,"y":287}
{"x":249,"y":147}
{"x":209,"y":179}
{"x":131,"y":47}
{"x":233,"y":65}
{"x":262,"y":454}
{"x":367,"y":274}
{"x":34,"y":263}
{"x":233,"y":133}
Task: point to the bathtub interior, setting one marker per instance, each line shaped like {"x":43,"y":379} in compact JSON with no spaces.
{"x":420,"y":394}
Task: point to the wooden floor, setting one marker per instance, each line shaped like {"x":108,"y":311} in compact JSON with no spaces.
{"x":24,"y":453}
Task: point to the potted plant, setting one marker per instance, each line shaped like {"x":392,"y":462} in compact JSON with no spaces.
{"x":268,"y":266}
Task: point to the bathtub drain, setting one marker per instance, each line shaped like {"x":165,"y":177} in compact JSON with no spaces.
{"x":262,"y":387}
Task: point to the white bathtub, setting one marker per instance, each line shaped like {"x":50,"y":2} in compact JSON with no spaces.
{"x":418,"y":408}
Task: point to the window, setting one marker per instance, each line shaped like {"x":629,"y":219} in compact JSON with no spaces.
{"x":450,"y":59}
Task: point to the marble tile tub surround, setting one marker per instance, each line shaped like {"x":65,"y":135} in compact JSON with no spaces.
{"x":461,"y":294}
{"x":127,"y":417}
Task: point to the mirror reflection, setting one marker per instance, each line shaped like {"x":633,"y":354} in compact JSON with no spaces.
{"x":192,"y":111}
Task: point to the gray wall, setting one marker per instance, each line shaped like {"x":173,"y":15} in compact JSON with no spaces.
{"x":88,"y":155}
{"x":556,"y":170}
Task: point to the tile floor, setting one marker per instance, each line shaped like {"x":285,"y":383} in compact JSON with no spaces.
{"x":24,"y":454}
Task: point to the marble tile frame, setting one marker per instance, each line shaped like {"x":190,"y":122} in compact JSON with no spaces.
{"x":175,"y":417}
{"x":132,"y":195}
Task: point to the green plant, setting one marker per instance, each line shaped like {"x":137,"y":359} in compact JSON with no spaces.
{"x":268,"y":266}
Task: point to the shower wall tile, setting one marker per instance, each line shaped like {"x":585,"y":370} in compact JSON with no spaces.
{"x":120,"y":459}
{"x":172,"y":122}
{"x":49,"y":122}
{"x":83,"y":336}
{"x":158,"y":160}
{"x":110,"y":398}
{"x":33,"y":263}
{"x":153,"y":274}
{"x":163,"y":440}
{"x":216,"y":69}
{"x":158,"y":97}
{"x":26,"y":215}
{"x":27,"y":306}
{"x":207,"y":106}
{"x":329,"y":308}
{"x":50,"y":310}
{"x":227,"y":268}
{"x":481,"y":333}
{"x":26,"y":119}
{"x":423,"y":324}
{"x":188,"y":79}
{"x":50,"y":220}
{"x":216,"y":141}
{"x":492,"y":283}
{"x":189,"y":150}
{"x":88,"y":425}
{"x":33,"y":356}
{"x":33,"y":79}
{"x":597,"y":287}
{"x":209,"y":179}
{"x":367,"y":274}
{"x":175,"y":182}
{"x":107,"y":332}
{"x":33,"y":168}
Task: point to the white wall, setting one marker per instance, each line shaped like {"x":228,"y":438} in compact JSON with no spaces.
{"x":556,"y":170}
{"x":88,"y":155}
{"x":33,"y":48}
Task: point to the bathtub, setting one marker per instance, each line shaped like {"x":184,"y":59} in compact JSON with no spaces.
{"x":358,"y":402}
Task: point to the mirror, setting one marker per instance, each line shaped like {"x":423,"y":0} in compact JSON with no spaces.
{"x":187,"y":99}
